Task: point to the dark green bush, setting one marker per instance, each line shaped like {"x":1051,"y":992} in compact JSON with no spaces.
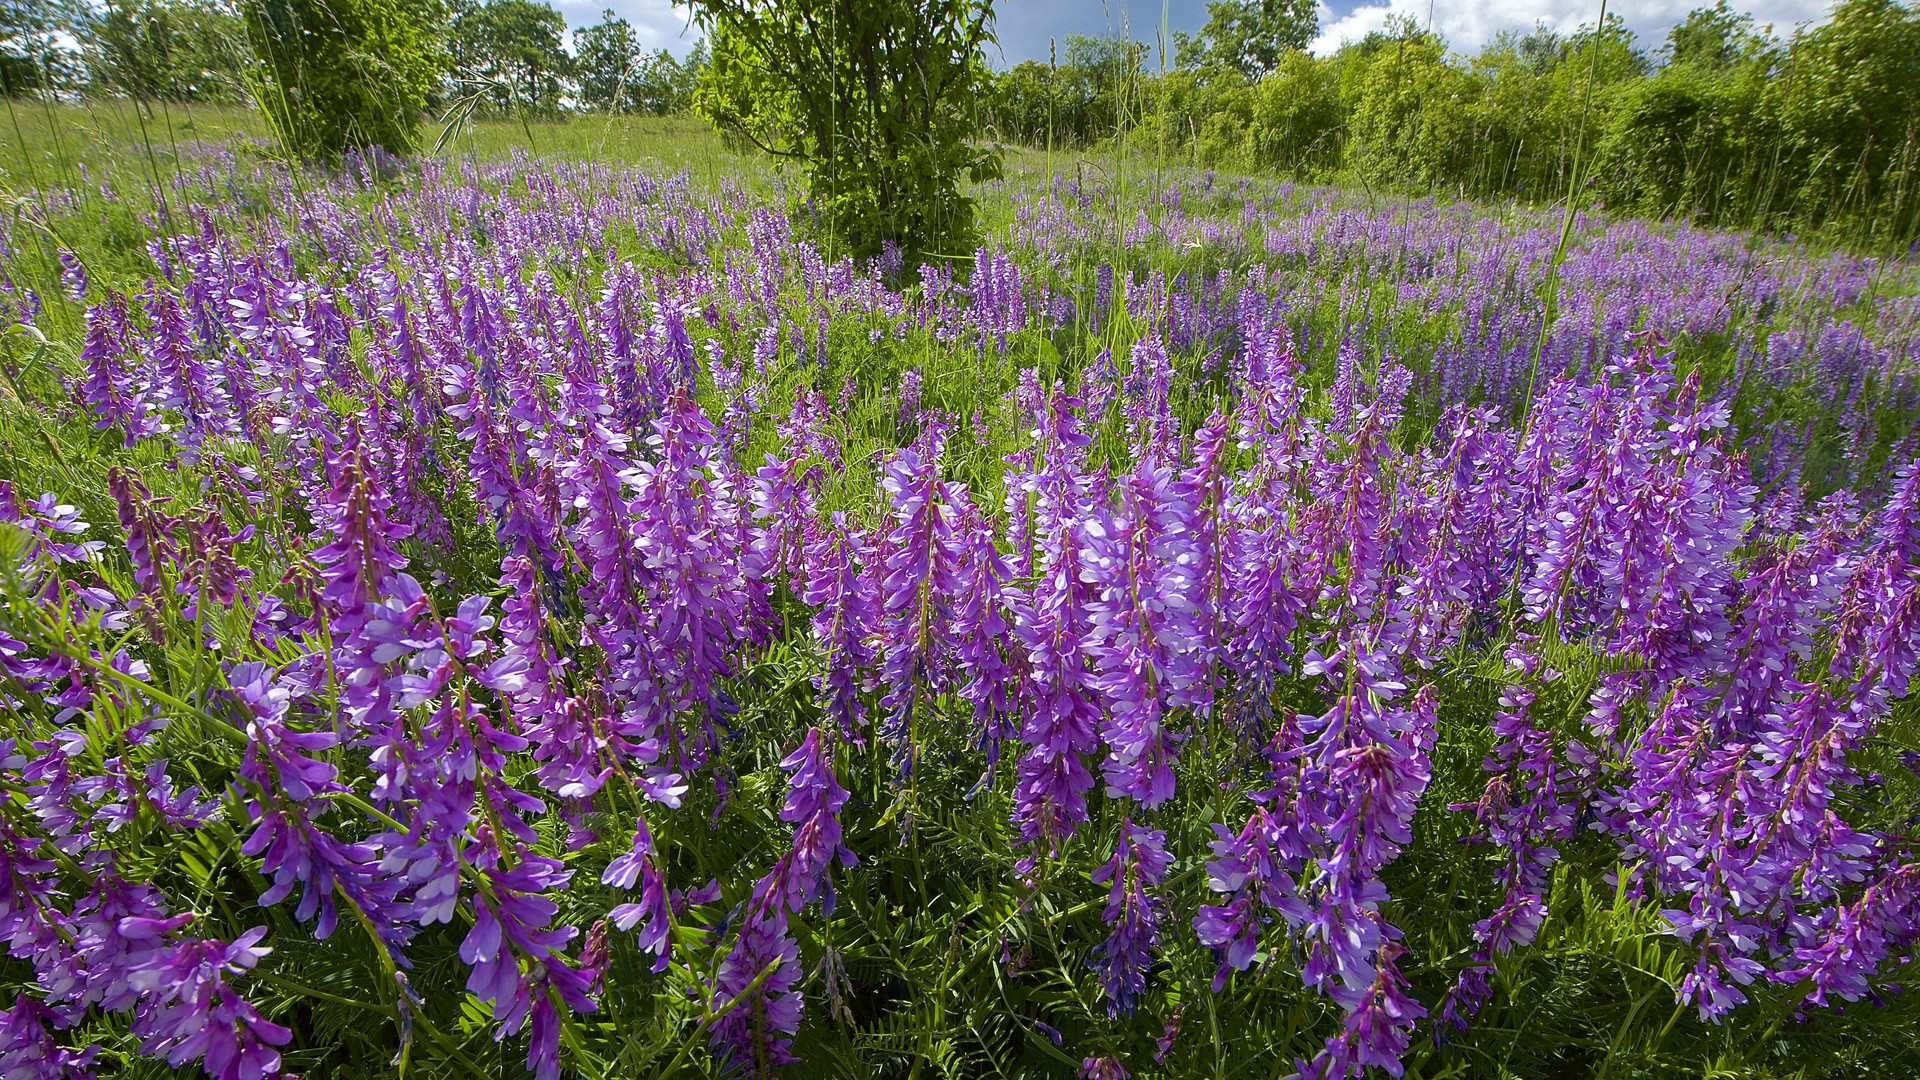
{"x":873,"y":98}
{"x":1724,"y":124}
{"x":338,"y":74}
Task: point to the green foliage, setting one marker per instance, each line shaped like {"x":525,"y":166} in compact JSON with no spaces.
{"x":1250,"y":36}
{"x":1076,"y":103}
{"x":19,"y":75}
{"x":338,"y":74}
{"x":1715,"y":37}
{"x":509,"y":52}
{"x":33,"y":55}
{"x":1411,"y":105}
{"x":1848,"y":105}
{"x":1692,"y":141}
{"x":1731,"y":127}
{"x":177,"y":50}
{"x":603,"y":56}
{"x":614,"y":74}
{"x":1820,"y":131}
{"x":1299,"y":126}
{"x":872,"y":97}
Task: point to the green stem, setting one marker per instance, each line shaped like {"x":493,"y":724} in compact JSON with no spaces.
{"x":712,"y":1017}
{"x":392,"y":973}
{"x":292,"y":987}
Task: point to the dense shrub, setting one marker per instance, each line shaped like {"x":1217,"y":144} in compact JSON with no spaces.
{"x":1693,"y":141}
{"x":1848,"y":103}
{"x":1299,"y":126}
{"x":182,"y":50}
{"x":1729,"y":125}
{"x":339,"y":74}
{"x":1073,"y":103}
{"x":874,"y":99}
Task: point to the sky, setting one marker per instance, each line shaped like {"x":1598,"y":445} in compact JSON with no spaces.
{"x":1025,"y":26}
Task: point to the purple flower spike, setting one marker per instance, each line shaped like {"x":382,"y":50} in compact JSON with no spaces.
{"x":28,"y":1049}
{"x":844,"y":622}
{"x":916,"y":635}
{"x":73,"y":275}
{"x":1377,"y":1030}
{"x":117,"y":395}
{"x":1122,"y":960}
{"x":190,"y":1013}
{"x":814,"y":799}
{"x":756,"y":1035}
{"x":636,"y":867}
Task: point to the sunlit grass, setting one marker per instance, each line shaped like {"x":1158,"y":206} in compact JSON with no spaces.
{"x":45,"y":144}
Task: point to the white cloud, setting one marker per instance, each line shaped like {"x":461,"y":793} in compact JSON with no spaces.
{"x":658,"y":24}
{"x":1025,"y":27}
{"x":1467,"y":25}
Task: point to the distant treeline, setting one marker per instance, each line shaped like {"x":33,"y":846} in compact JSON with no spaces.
{"x":509,"y":55}
{"x":1725,"y":123}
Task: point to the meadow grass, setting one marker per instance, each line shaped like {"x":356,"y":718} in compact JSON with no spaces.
{"x":45,"y":144}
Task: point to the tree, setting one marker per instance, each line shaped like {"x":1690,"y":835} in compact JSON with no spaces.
{"x":1251,"y":36}
{"x":1715,"y":37}
{"x":603,"y":56}
{"x":33,"y":52}
{"x":872,"y":97}
{"x":339,"y":74}
{"x":511,"y":50}
{"x":1850,"y":106}
{"x":662,"y":86}
{"x":179,"y":50}
{"x":613,"y":73}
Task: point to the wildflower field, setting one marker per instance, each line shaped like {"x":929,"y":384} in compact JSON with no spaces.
{"x":509,"y":614}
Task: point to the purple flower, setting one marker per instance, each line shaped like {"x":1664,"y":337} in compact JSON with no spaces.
{"x":1377,"y":1029}
{"x":756,"y":1034}
{"x":191,"y":387}
{"x":116,"y":393}
{"x":919,"y":580}
{"x":982,"y":650}
{"x":1163,"y":1045}
{"x":1250,"y":869}
{"x":294,"y":851}
{"x":521,"y":524}
{"x":276,"y":757}
{"x":1850,"y":944}
{"x":100,"y":965}
{"x":514,"y":953}
{"x":814,"y":799}
{"x":28,"y":1049}
{"x":190,"y":1013}
{"x":1122,"y":960}
{"x":150,"y":542}
{"x":699,"y":588}
{"x":1146,"y":634}
{"x":650,"y":912}
{"x":73,"y":275}
{"x":359,"y":556}
{"x":843,"y":623}
{"x":545,"y":981}
{"x":1058,"y":701}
